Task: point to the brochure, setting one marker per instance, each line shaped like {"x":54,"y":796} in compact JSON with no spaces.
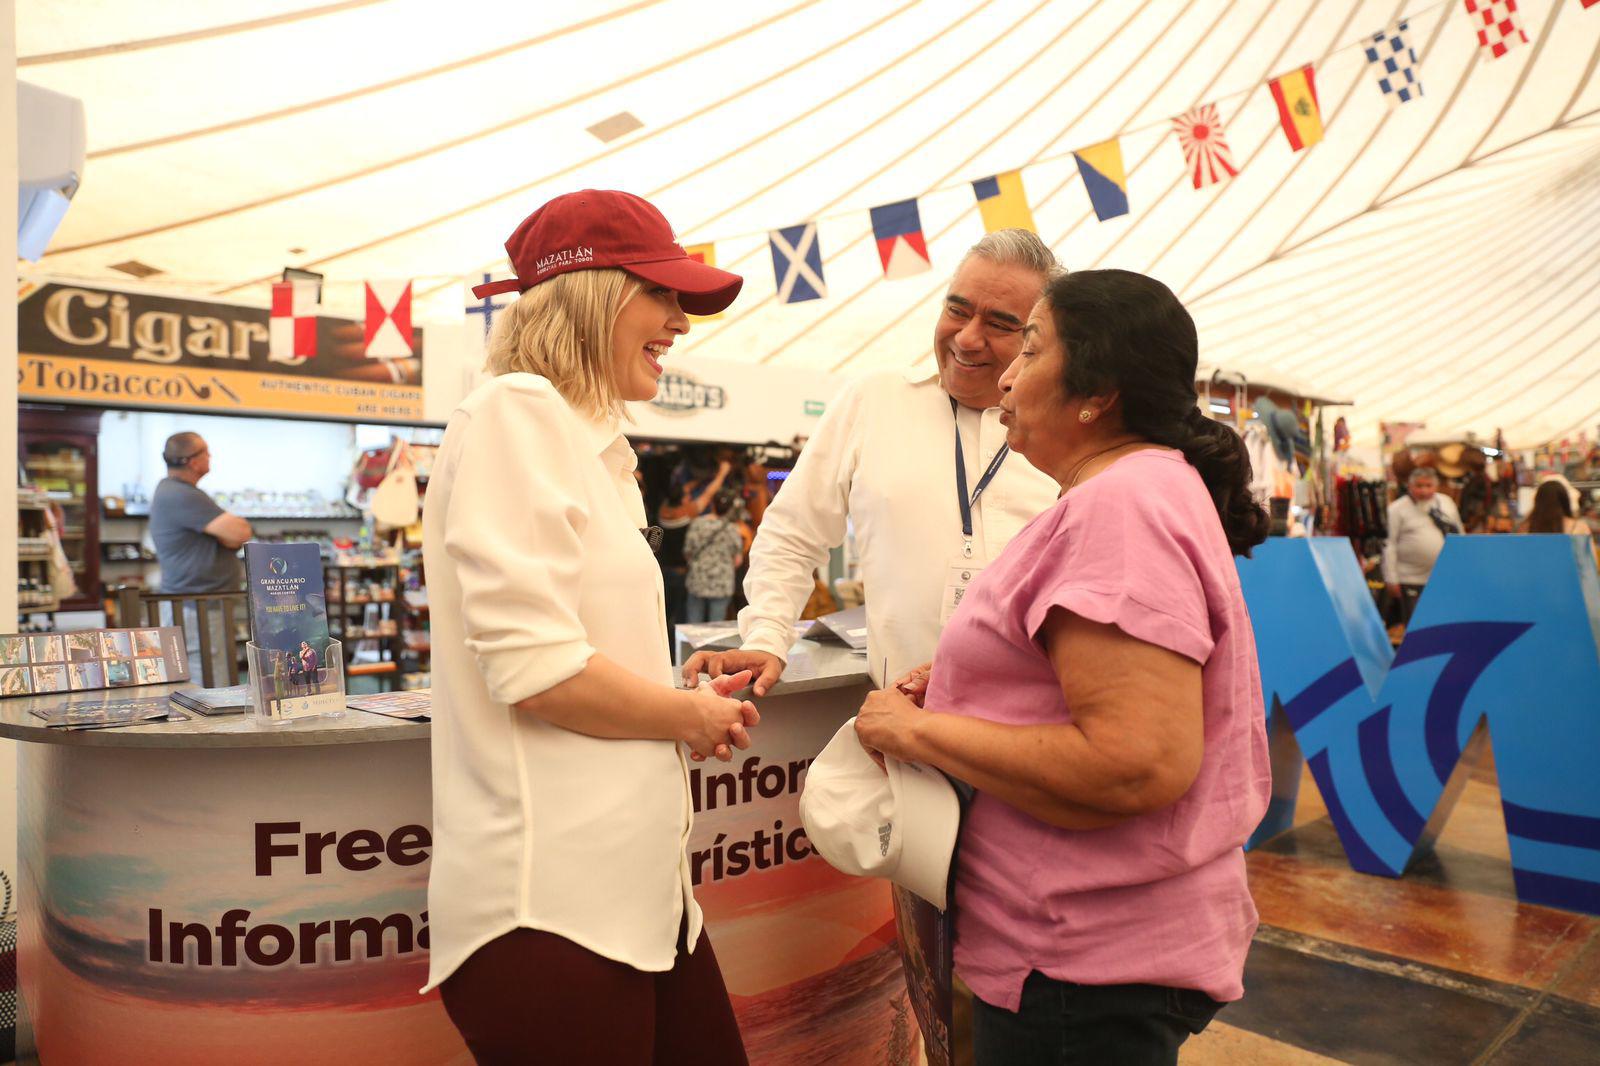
{"x":36,"y":664}
{"x":413,"y":704}
{"x":109,"y":714}
{"x":841,"y":627}
{"x":289,"y":628}
{"x":234,"y":699}
{"x":927,"y":940}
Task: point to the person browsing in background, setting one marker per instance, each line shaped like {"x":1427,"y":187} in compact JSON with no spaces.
{"x":196,"y":541}
{"x":891,"y":457}
{"x":1098,"y":687}
{"x":714,"y":550}
{"x":1552,"y":512}
{"x":564,"y":927}
{"x":1418,"y":524}
{"x":687,"y":502}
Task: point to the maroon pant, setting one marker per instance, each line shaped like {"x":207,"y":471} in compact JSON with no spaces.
{"x":531,"y":998}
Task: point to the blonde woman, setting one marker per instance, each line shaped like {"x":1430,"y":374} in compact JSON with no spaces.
{"x":561,"y":915}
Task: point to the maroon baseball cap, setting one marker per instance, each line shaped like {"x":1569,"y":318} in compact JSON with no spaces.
{"x":602,"y":228}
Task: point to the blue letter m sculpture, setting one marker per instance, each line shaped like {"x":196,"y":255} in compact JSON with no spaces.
{"x":1507,"y":631}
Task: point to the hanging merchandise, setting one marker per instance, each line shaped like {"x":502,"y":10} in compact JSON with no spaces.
{"x":1296,"y":96}
{"x":1003,"y":202}
{"x":1104,"y":178}
{"x":395,"y":501}
{"x":1205,"y":145}
{"x":901,"y":245}
{"x":797,"y":263}
{"x":1394,"y":61}
{"x":1498,"y":23}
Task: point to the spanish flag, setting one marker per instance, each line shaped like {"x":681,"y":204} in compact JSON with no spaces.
{"x":1103,"y":176}
{"x":1003,"y":202}
{"x":1296,"y":95}
{"x":707,"y":254}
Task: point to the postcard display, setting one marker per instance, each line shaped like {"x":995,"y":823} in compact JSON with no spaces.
{"x":35,"y":664}
{"x":296,"y":671}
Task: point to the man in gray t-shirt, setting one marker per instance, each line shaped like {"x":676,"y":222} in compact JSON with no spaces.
{"x":196,"y":541}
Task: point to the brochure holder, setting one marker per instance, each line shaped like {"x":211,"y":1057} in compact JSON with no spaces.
{"x":283,"y":688}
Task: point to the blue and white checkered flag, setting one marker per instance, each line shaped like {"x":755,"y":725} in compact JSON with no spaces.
{"x":1395,"y":63}
{"x":797,"y":263}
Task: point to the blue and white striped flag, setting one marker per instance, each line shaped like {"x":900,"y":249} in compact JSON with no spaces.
{"x":797,"y":263}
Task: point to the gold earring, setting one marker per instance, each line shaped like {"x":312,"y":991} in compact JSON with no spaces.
{"x":1086,"y":416}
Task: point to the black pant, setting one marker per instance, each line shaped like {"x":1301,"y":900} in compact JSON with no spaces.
{"x":531,"y":998}
{"x":1409,"y":595}
{"x":1064,"y":1024}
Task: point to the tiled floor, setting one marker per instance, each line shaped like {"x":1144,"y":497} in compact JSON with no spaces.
{"x":1441,"y":966}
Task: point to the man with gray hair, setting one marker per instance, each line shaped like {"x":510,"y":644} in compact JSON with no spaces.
{"x":1418,"y":524}
{"x":916,"y":462}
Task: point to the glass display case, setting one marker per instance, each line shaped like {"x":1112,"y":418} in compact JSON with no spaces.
{"x":57,"y":448}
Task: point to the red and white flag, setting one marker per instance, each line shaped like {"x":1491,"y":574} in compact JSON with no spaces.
{"x":1205,"y":145}
{"x":1498,"y":24}
{"x":389,"y":320}
{"x":292,"y":328}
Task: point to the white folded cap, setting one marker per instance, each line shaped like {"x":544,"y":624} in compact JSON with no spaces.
{"x":901,"y":825}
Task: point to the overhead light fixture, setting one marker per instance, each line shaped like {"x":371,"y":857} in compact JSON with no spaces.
{"x":136,"y":268}
{"x":1221,"y":408}
{"x":619,"y":125}
{"x":296,"y":274}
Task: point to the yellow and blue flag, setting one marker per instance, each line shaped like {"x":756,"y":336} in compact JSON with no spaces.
{"x":1003,"y":202}
{"x":1100,"y":166}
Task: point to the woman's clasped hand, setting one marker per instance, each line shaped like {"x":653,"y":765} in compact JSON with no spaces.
{"x":717,"y":722}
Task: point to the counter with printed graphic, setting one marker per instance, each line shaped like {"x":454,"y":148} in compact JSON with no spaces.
{"x":218,"y":890}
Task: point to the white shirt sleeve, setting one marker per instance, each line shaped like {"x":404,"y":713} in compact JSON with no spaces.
{"x":516,"y":508}
{"x":1391,"y":545}
{"x":805,"y":520}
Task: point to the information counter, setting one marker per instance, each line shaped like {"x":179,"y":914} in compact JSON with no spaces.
{"x":217,"y":890}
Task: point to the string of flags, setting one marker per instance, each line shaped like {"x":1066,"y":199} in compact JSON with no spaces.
{"x":1002,"y":201}
{"x":292,"y":321}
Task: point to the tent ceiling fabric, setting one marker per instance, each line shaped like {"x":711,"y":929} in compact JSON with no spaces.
{"x":1437,"y":260}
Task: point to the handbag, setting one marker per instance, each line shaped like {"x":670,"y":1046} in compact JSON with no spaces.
{"x":394,"y":501}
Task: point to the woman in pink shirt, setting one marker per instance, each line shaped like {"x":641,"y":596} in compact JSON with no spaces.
{"x":1098,"y":687}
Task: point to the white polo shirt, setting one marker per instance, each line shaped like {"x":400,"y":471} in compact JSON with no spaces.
{"x":883,"y":457}
{"x":535,"y":562}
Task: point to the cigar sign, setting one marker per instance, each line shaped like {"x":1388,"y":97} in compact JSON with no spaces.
{"x":82,"y":344}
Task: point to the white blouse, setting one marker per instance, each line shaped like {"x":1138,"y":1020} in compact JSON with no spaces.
{"x":535,"y":562}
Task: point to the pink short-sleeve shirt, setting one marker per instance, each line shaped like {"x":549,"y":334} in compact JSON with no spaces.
{"x":1160,"y":898}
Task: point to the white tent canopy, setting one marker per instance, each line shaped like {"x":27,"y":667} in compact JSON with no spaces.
{"x":1438,"y":261}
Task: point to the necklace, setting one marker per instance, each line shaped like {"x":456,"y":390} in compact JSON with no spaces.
{"x":1072,"y":478}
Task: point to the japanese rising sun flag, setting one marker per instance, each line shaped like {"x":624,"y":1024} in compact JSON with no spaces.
{"x":1296,"y":96}
{"x":1205,"y":145}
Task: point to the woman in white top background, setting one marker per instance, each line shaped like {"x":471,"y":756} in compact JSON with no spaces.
{"x":562,"y":921}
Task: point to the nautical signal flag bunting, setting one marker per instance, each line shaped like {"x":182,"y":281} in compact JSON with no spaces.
{"x":902,"y":248}
{"x":1003,"y":202}
{"x":1499,"y":25}
{"x":1100,"y":166}
{"x":1394,"y":62}
{"x":292,"y":327}
{"x":1205,"y":145}
{"x":797,"y":263}
{"x":388,"y":330}
{"x":1296,"y":96}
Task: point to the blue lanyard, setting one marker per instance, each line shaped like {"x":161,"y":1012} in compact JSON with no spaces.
{"x":968,"y":503}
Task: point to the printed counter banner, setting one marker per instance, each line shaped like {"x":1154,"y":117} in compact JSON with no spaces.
{"x":261,"y":906}
{"x":808,"y":953}
{"x":81,"y":344}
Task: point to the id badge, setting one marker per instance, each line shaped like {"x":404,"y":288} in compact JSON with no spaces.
{"x":959,"y":575}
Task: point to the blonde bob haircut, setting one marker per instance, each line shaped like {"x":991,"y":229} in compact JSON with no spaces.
{"x":561,"y":330}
